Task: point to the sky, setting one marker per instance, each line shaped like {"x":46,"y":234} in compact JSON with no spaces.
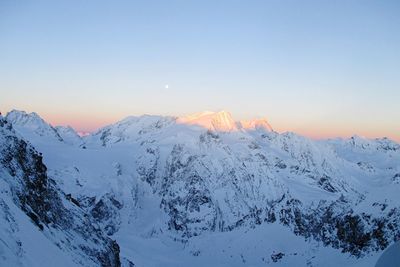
{"x":318,"y":68}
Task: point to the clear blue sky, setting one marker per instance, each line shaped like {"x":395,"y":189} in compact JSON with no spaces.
{"x":321,"y":68}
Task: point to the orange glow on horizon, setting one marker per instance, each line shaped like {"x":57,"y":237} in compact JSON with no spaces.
{"x":81,"y":123}
{"x":320,"y":133}
{"x":86,"y":122}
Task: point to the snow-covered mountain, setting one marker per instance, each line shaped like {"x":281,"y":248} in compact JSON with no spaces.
{"x":34,"y":128}
{"x":40,"y":224}
{"x":69,"y":135}
{"x":205,"y":189}
{"x":31,"y":125}
{"x":216,"y":121}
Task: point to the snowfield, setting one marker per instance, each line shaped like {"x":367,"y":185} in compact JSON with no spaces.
{"x":200,"y":190}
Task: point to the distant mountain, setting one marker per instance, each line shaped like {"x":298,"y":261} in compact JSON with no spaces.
{"x":32,"y":124}
{"x":216,"y":121}
{"x":33,"y":127}
{"x":206,"y":189}
{"x":69,"y":135}
{"x":256,"y":124}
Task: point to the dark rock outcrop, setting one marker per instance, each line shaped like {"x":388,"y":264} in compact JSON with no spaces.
{"x":39,"y":197}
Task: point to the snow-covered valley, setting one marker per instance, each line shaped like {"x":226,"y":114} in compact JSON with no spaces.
{"x":201,"y":190}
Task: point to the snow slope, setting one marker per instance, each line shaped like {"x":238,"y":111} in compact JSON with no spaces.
{"x":391,"y":256}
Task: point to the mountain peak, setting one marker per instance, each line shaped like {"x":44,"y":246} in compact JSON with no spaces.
{"x":22,"y":118}
{"x":221,"y":121}
{"x":28,"y":123}
{"x":256,"y":124}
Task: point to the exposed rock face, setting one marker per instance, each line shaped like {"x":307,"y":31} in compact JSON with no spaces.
{"x":184,"y":181}
{"x":38,"y":196}
{"x":337,"y":225}
{"x":106,"y":212}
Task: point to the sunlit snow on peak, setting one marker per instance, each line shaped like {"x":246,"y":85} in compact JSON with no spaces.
{"x":219,"y":121}
{"x":223,"y":121}
{"x":256,"y":124}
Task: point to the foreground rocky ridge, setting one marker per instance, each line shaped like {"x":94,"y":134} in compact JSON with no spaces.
{"x":160,"y":178}
{"x":61,"y":220}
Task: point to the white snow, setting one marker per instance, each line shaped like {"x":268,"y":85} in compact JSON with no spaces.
{"x":390,"y":257}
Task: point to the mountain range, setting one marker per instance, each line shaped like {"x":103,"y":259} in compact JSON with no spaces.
{"x":199,"y":190}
